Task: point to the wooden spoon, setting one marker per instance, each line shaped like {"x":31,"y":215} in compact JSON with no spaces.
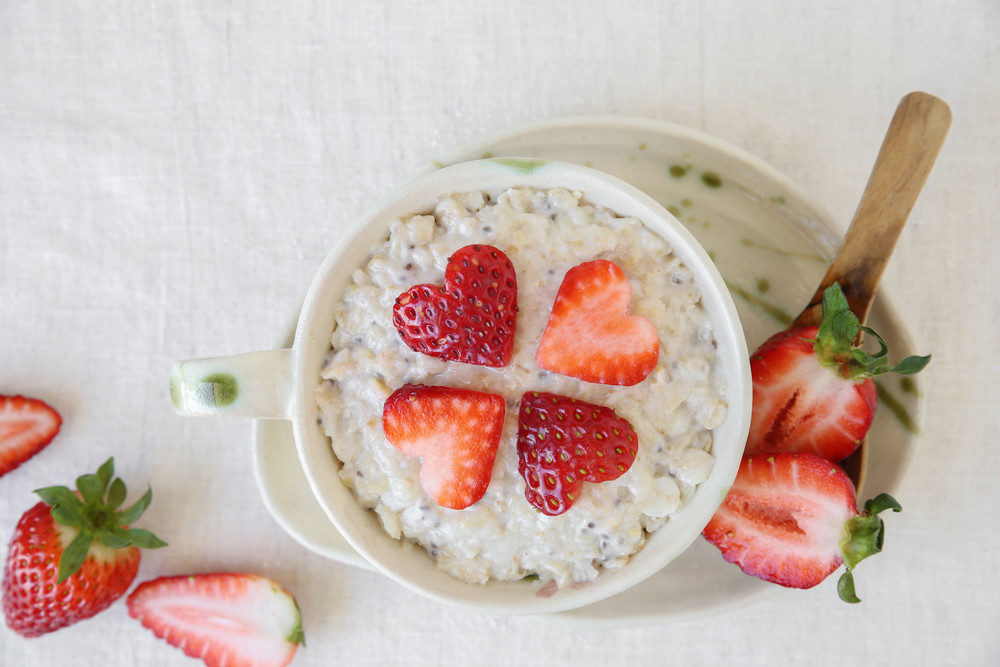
{"x":908,"y":151}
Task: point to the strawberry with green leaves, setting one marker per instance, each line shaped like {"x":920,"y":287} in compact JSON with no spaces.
{"x":73,"y":554}
{"x":792,"y":519}
{"x":813,"y":389}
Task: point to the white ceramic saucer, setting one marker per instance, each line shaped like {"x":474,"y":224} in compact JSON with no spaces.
{"x":770,"y":242}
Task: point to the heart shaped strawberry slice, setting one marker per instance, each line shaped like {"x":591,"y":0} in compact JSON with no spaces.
{"x":455,"y":432}
{"x":563,"y":442}
{"x":472,"y":318}
{"x":590,"y":336}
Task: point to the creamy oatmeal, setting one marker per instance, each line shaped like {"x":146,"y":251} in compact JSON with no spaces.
{"x":673,"y":411}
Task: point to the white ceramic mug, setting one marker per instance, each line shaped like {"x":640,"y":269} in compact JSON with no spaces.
{"x":279,"y":384}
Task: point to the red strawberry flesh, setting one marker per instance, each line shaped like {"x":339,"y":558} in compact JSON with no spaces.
{"x":237,"y":620}
{"x":784,"y":518}
{"x":472,"y":318}
{"x":455,"y":432}
{"x":802,"y":405}
{"x":589,"y":334}
{"x":27,"y":425}
{"x":563,"y":442}
{"x":813,"y":388}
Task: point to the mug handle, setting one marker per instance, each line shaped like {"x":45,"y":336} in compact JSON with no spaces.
{"x":255,"y":384}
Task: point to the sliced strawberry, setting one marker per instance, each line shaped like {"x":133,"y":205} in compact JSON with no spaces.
{"x":792,"y":519}
{"x":456,"y":432}
{"x":800,"y":405}
{"x":26,"y":426}
{"x":236,"y":620}
{"x":589,"y":334}
{"x":812,"y":389}
{"x":563,"y":442}
{"x":472,"y":318}
{"x":73,"y":554}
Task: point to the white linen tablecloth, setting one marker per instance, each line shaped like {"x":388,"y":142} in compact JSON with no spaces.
{"x":173,"y":172}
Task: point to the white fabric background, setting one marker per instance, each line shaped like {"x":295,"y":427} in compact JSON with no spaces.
{"x":172,"y":173}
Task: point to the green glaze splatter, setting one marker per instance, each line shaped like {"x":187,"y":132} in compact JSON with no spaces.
{"x":588,"y":164}
{"x":642,"y":147}
{"x":711,"y":255}
{"x":896,"y":407}
{"x":437,"y":164}
{"x":908,"y":386}
{"x":763,"y":284}
{"x":530,"y":577}
{"x":487,"y":155}
{"x":218,"y":389}
{"x":522,"y":165}
{"x":674,"y":211}
{"x":750,"y":243}
{"x":711,"y":179}
{"x":686,"y":203}
{"x":677,"y":171}
{"x":175,"y":392}
{"x":766,"y":306}
{"x":778,"y":199}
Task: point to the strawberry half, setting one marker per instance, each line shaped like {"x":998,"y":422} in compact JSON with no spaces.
{"x":73,"y":554}
{"x":236,"y":620}
{"x":812,"y":390}
{"x":26,"y":426}
{"x":590,"y":336}
{"x":791,"y":519}
{"x":563,"y":442}
{"x":472,"y":318}
{"x":456,"y":433}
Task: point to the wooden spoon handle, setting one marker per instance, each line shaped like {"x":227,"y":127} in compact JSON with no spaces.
{"x":908,"y":151}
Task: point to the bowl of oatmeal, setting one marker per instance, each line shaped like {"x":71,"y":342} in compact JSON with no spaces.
{"x":690,"y":414}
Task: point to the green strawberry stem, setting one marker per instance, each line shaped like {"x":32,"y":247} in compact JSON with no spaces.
{"x":93,"y":511}
{"x":864,"y":535}
{"x":297,"y":635}
{"x":834,"y":343}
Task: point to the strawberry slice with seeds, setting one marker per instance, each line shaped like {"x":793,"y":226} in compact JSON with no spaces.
{"x":813,"y":390}
{"x":792,"y":519}
{"x":563,"y":442}
{"x":27,"y":425}
{"x":456,"y":433}
{"x":799,"y":405}
{"x":472,"y":318}
{"x":236,"y":620}
{"x":590,"y":336}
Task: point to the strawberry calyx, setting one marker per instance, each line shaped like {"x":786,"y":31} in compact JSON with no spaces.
{"x":297,"y":634}
{"x":92,"y":511}
{"x":834,"y":343}
{"x":864,"y":535}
